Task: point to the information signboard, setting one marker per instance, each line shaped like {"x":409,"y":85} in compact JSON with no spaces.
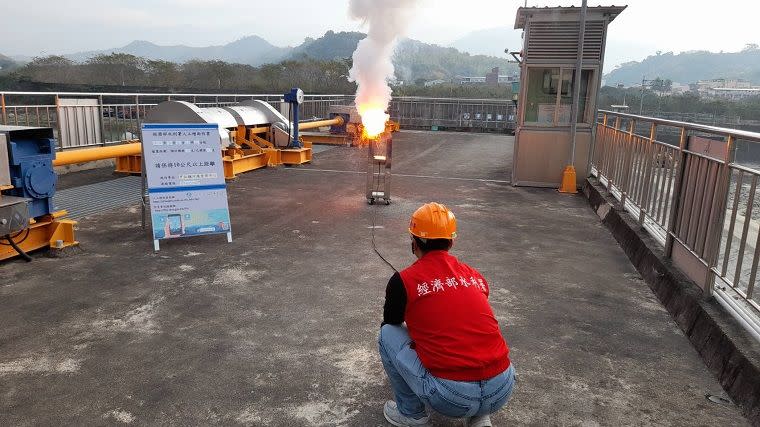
{"x":185,"y":180}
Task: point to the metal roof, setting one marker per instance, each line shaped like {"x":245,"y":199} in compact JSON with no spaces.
{"x":524,"y":12}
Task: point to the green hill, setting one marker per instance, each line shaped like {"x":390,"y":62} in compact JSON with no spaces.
{"x":330,"y":46}
{"x":413,"y":59}
{"x":7,"y":64}
{"x":688,"y":67}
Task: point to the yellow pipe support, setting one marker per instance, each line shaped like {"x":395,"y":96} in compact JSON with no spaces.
{"x":50,"y":231}
{"x":84,"y":155}
{"x":337,"y":121}
{"x":260,"y":129}
{"x":71,"y":157}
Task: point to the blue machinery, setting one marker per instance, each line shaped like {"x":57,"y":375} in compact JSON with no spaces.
{"x":30,"y":158}
{"x":28,"y":220}
{"x":295,"y":99}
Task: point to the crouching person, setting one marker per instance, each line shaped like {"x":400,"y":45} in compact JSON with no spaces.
{"x":450,"y":356}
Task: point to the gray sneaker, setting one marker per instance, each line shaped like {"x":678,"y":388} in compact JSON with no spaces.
{"x":398,"y":419}
{"x":481,"y":421}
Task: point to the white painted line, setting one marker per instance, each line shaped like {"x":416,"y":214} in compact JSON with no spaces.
{"x":447,"y":178}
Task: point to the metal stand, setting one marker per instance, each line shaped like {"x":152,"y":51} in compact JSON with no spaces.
{"x":144,"y":198}
{"x":379,"y":169}
{"x":157,"y":245}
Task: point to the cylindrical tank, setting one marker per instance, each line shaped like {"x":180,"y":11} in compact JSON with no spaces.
{"x":248,"y":116}
{"x":185,"y":112}
{"x":252,"y":113}
{"x":264,"y":111}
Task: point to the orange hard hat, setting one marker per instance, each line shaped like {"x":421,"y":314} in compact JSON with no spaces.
{"x":433,"y":221}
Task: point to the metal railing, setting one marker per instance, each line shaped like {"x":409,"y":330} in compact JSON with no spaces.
{"x":688,"y":190}
{"x":454,"y":113}
{"x":83,"y":119}
{"x":119,"y":115}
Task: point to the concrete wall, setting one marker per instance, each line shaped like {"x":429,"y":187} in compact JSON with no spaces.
{"x":726,"y":348}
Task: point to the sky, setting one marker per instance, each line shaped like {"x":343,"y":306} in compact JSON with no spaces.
{"x":44,"y":27}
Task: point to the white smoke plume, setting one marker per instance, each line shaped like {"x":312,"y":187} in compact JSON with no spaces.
{"x":373,"y":67}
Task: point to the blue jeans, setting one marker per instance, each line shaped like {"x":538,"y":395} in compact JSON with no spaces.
{"x":414,"y":387}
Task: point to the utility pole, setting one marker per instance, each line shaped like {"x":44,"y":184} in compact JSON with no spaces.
{"x":569,"y":182}
{"x":644,"y":83}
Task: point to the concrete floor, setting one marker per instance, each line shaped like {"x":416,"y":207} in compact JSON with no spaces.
{"x":279,"y":327}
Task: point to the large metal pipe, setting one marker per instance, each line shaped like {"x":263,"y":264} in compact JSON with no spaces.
{"x":71,"y":157}
{"x":337,"y":121}
{"x":84,"y":155}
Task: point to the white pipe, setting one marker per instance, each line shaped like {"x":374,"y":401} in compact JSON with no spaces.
{"x":747,"y":320}
{"x":577,"y":84}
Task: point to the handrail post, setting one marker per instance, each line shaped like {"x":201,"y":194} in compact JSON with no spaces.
{"x":648,"y":172}
{"x":58,"y":121}
{"x":626,"y":170}
{"x":675,"y":208}
{"x":611,"y":147}
{"x":137,"y":108}
{"x":102,"y":125}
{"x":2,"y":104}
{"x":714,"y":238}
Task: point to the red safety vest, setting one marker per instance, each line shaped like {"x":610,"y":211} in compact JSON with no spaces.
{"x":455,"y":333}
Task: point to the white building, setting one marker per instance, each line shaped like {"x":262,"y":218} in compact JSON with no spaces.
{"x":503,"y":79}
{"x":732,"y":93}
{"x":434,"y":82}
{"x":704,"y":85}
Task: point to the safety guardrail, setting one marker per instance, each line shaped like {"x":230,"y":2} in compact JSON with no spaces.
{"x":82,"y":119}
{"x":692,"y":192}
{"x":454,"y":113}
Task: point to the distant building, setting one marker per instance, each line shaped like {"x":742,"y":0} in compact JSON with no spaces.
{"x":493,"y":78}
{"x":471,"y":80}
{"x":679,"y":88}
{"x":733,"y":93}
{"x":704,"y":85}
{"x":732,"y":89}
{"x":435,"y":82}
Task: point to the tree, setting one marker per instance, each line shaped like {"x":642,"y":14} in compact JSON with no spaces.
{"x":163,"y":74}
{"x":52,"y":60}
{"x":660,"y":85}
{"x":117,"y":68}
{"x":49,"y":69}
{"x":115,"y":58}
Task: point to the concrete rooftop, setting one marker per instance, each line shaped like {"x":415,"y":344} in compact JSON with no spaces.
{"x":279,"y":327}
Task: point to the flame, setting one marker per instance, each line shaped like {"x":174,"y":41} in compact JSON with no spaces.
{"x":373,"y":119}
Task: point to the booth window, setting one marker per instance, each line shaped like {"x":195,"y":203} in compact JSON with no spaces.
{"x":550,"y":96}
